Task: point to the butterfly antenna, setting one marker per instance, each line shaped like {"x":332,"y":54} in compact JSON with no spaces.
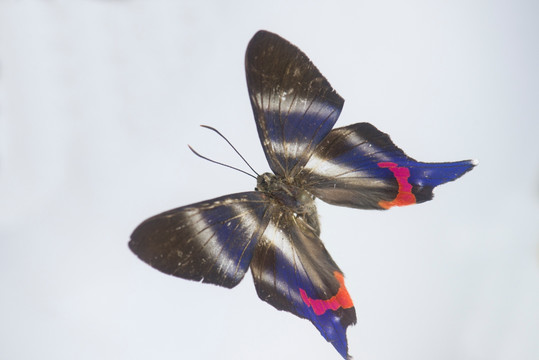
{"x":232,"y":146}
{"x":220,"y":163}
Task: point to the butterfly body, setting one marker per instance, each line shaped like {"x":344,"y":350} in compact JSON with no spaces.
{"x":290,"y":197}
{"x":275,"y":230}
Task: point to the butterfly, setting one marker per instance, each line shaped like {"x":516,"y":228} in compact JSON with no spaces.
{"x":275,"y":230}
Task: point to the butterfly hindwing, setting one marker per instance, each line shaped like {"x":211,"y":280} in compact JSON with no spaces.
{"x":211,"y":241}
{"x":359,"y":166}
{"x":293,"y":271}
{"x":294,"y":105}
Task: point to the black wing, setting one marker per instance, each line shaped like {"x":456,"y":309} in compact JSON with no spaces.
{"x":294,"y":105}
{"x":359,"y":166}
{"x":294,"y":272}
{"x":212,"y":241}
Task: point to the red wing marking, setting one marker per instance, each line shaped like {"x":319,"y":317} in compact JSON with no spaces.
{"x":404,"y":196}
{"x":341,"y":299}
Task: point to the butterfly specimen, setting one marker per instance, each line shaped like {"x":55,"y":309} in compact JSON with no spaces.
{"x":275,"y":230}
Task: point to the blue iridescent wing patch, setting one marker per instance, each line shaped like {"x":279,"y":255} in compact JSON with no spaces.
{"x":275,"y":230}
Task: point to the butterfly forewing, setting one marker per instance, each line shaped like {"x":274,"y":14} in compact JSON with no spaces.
{"x":212,"y":241}
{"x":294,"y":105}
{"x":293,"y":271}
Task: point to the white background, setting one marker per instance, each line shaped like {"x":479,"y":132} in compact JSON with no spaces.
{"x":99,"y":99}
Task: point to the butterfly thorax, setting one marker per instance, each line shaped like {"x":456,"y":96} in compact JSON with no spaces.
{"x":297,"y":200}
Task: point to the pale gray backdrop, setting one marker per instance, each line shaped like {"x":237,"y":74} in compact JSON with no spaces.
{"x":99,"y":99}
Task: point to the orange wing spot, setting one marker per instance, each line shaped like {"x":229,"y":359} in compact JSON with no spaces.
{"x":341,"y":299}
{"x":404,"y":196}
